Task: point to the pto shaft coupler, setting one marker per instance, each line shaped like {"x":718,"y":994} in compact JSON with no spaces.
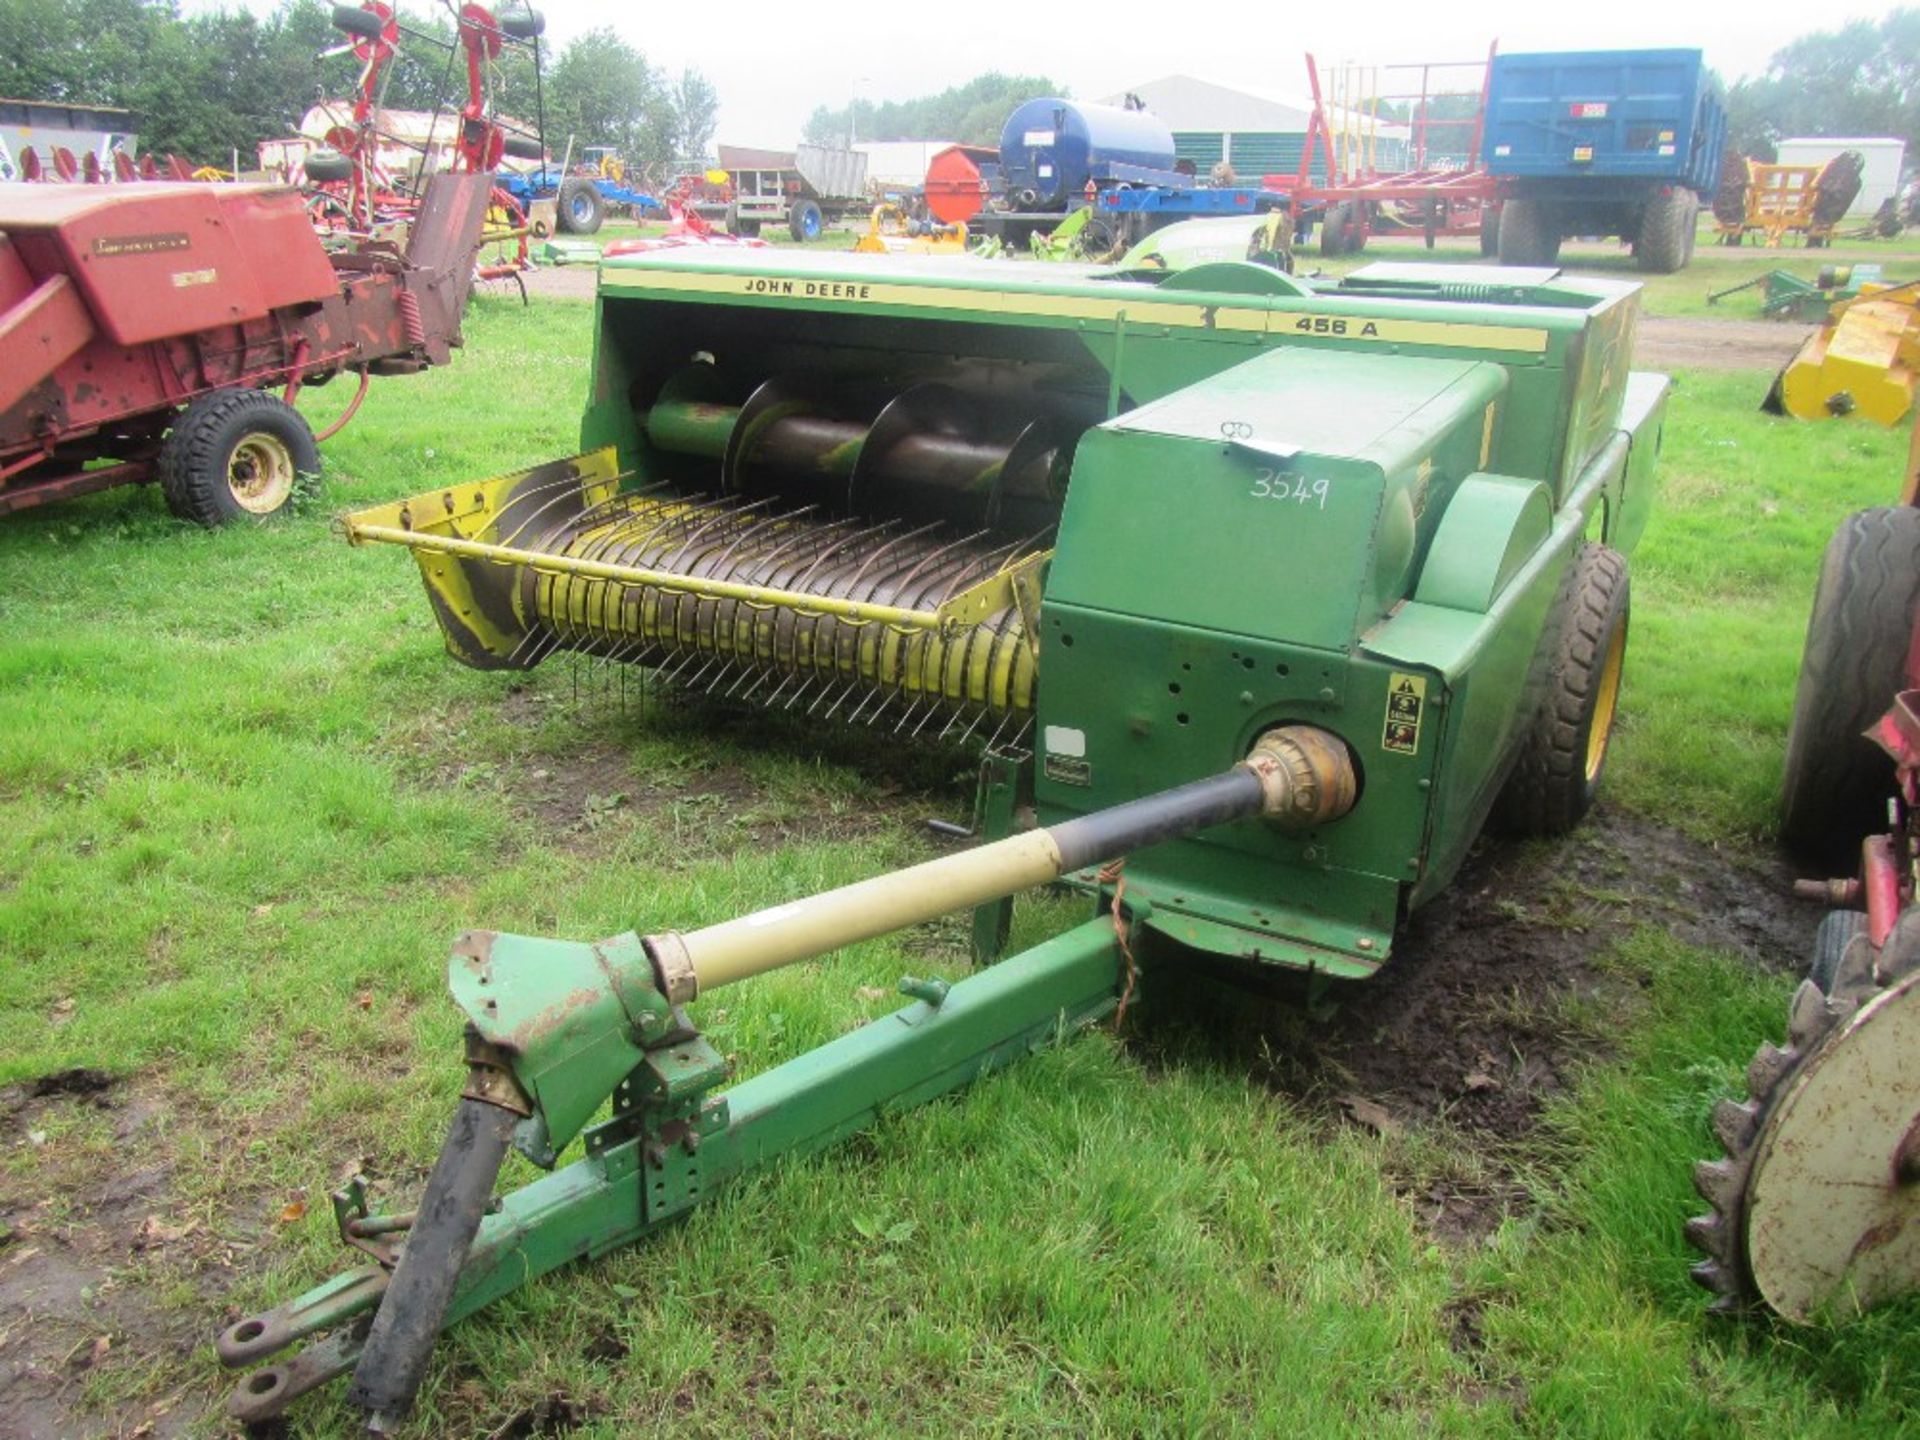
{"x":1295,"y":776}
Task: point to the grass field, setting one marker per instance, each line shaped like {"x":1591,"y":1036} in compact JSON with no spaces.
{"x":249,"y":800}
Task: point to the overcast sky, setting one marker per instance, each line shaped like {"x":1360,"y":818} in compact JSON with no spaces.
{"x":773,"y":62}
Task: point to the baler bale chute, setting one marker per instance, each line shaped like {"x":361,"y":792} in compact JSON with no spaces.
{"x":1268,"y":594}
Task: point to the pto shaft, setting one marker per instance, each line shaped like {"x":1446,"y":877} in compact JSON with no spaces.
{"x":1296,"y":776}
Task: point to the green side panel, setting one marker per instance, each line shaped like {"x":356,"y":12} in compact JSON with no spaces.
{"x":1271,"y":500}
{"x":1132,"y":704}
{"x":1643,"y":415}
{"x":1221,"y":554}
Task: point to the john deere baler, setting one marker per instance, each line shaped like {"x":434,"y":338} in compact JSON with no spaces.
{"x":1274,"y":592}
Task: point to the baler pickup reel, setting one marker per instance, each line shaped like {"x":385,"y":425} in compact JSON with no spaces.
{"x":557,"y":1028}
{"x":869,"y":554}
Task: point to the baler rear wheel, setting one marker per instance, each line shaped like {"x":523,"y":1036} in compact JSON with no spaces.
{"x":1489,"y":231}
{"x":1528,"y":234}
{"x":1564,"y":755}
{"x":1836,"y":782}
{"x":582,"y":209}
{"x":236,"y":454}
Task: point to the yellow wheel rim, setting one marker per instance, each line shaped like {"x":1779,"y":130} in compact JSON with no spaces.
{"x":260,"y":473}
{"x":1605,"y":702}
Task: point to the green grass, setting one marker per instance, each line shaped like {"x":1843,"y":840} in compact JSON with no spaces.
{"x":248,"y":801}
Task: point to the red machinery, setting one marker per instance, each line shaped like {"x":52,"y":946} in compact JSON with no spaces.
{"x":1448,"y":193}
{"x":351,"y":192}
{"x":119,"y":304}
{"x":956,"y":188}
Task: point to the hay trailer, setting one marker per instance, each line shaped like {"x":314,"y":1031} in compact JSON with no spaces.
{"x":1263,"y":595}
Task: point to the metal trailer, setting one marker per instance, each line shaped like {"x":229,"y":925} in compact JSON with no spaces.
{"x":1604,"y":142}
{"x":1443,"y":192}
{"x":121,"y":304}
{"x":815,"y":186}
{"x":1262,"y":595}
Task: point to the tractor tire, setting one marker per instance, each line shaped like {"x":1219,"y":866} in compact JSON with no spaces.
{"x":530,"y":25}
{"x":1528,"y":234}
{"x":1489,"y":231}
{"x":805,"y":222}
{"x":1667,"y":228}
{"x":236,"y":454}
{"x":1340,"y":231}
{"x":1563,"y":756}
{"x":582,"y":208}
{"x":523,"y":147}
{"x":324,"y":167}
{"x":1837,"y":781}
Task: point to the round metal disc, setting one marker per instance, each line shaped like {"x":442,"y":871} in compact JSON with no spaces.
{"x":1833,"y":1213}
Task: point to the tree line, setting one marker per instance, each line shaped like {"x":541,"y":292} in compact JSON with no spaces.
{"x":208,"y":84}
{"x":969,"y":114}
{"x":1861,"y":79}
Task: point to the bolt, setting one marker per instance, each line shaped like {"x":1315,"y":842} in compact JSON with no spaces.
{"x":1365,"y":942}
{"x":1246,"y":697}
{"x":1326,"y":693}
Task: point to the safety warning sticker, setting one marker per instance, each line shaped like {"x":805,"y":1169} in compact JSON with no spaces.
{"x":1406,"y":705}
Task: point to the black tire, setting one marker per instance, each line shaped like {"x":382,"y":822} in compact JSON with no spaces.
{"x":1340,"y":230}
{"x":1529,"y":234}
{"x":1667,"y":226}
{"x":1563,"y":757}
{"x":1835,"y":788}
{"x":582,"y":208}
{"x":804,"y":221}
{"x":323,"y":167}
{"x":235,"y":455}
{"x":1096,"y":239}
{"x":1489,"y":231}
{"x":1830,"y":941}
{"x":355,"y":21}
{"x":530,"y":24}
{"x":523,"y":147}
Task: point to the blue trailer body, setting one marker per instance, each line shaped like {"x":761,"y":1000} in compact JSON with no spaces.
{"x":1629,"y":115}
{"x":1603,"y":142}
{"x":1051,"y":148}
{"x":1190,"y":202}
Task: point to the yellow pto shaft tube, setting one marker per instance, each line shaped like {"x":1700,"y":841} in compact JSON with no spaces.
{"x":1295,"y":776}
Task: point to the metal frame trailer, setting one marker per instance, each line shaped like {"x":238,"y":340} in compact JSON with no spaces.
{"x":1433,"y":196}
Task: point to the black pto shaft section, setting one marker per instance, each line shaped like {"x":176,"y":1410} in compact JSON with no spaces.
{"x":408,"y":1322}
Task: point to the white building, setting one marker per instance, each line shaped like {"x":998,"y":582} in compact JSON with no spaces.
{"x":1878,"y":181}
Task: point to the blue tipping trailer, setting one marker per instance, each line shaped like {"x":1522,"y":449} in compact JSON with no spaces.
{"x":1603,"y":142}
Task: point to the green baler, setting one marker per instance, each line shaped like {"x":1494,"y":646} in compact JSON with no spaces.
{"x":1269,"y":593}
